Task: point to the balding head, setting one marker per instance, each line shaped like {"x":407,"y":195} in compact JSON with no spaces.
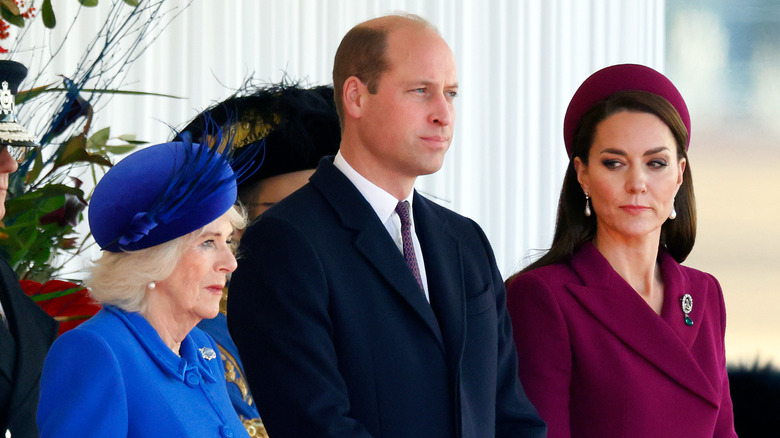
{"x":362,"y":52}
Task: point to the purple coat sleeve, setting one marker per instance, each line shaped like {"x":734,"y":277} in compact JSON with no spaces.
{"x":724,"y":427}
{"x":543,"y":350}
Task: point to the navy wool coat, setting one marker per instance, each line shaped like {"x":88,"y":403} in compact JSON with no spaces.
{"x":338,"y":340}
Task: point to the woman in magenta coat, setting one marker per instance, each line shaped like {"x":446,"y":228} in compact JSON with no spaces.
{"x":615,"y":337}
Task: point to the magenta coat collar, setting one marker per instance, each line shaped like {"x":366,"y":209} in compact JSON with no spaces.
{"x":624,"y":307}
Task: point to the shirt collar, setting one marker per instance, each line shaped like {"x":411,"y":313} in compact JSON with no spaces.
{"x":382,"y":202}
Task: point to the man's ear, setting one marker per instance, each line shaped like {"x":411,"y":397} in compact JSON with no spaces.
{"x":353,"y":97}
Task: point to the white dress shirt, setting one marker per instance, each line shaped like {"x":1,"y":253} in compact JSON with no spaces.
{"x":384,"y":205}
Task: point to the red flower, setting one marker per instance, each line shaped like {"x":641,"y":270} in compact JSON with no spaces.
{"x":4,"y":30}
{"x":68,"y":303}
{"x":4,"y":34}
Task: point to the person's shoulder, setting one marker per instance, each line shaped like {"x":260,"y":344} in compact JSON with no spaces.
{"x":101,"y":322}
{"x":303,"y":206}
{"x":422,"y":201}
{"x":90,"y":339}
{"x":695,"y":279}
{"x":326,"y":181}
{"x":555,"y":271}
{"x":552,"y":276}
{"x":537,"y":292}
{"x":296,"y":200}
{"x":106,"y":326}
{"x":299,"y":210}
{"x":694,"y":275}
{"x":454,"y":221}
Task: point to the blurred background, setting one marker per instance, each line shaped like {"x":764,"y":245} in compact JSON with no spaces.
{"x":518,"y":63}
{"x":725,"y":59}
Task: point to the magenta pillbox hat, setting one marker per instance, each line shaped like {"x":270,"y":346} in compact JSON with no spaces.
{"x":621,"y":77}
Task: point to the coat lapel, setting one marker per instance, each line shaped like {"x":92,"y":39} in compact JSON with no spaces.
{"x":616,"y":306}
{"x":371,"y":239}
{"x":676,"y":285}
{"x":7,"y":347}
{"x":444,"y":269}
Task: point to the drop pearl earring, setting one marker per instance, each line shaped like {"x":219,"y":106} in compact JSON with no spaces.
{"x":587,"y":205}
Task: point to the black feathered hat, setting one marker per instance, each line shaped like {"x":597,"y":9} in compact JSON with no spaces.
{"x":299,"y":126}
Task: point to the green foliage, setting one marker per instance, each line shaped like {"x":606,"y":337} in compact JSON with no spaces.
{"x":12,"y":16}
{"x":47,"y":15}
{"x":47,"y":203}
{"x":28,"y":245}
{"x":45,"y":199}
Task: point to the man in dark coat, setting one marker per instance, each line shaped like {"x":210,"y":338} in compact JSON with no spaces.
{"x":26,"y":331}
{"x":24,"y":342}
{"x":361,"y":308}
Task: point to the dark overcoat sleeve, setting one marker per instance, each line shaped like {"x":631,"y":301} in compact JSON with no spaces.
{"x":515,"y":415}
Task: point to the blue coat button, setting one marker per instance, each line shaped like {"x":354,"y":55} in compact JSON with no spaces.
{"x":227,"y":432}
{"x":192,"y":378}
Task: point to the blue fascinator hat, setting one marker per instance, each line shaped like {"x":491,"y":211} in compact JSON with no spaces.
{"x":162,"y":192}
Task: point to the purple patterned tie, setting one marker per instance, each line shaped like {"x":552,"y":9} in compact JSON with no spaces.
{"x":406,"y":236}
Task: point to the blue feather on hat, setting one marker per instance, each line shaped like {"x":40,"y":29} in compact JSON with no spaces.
{"x":165,"y":191}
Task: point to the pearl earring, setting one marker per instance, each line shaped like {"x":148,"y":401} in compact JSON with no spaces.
{"x":151,"y":285}
{"x":587,"y":205}
{"x":673,"y":214}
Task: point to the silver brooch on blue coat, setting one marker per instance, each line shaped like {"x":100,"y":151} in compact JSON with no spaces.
{"x":208,"y":353}
{"x":687,"y":306}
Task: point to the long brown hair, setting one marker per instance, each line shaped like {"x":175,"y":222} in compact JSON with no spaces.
{"x":573,"y":228}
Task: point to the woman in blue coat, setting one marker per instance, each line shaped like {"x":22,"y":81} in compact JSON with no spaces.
{"x":164,"y":217}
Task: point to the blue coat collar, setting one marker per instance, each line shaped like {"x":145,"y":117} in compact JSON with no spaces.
{"x":173,"y":365}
